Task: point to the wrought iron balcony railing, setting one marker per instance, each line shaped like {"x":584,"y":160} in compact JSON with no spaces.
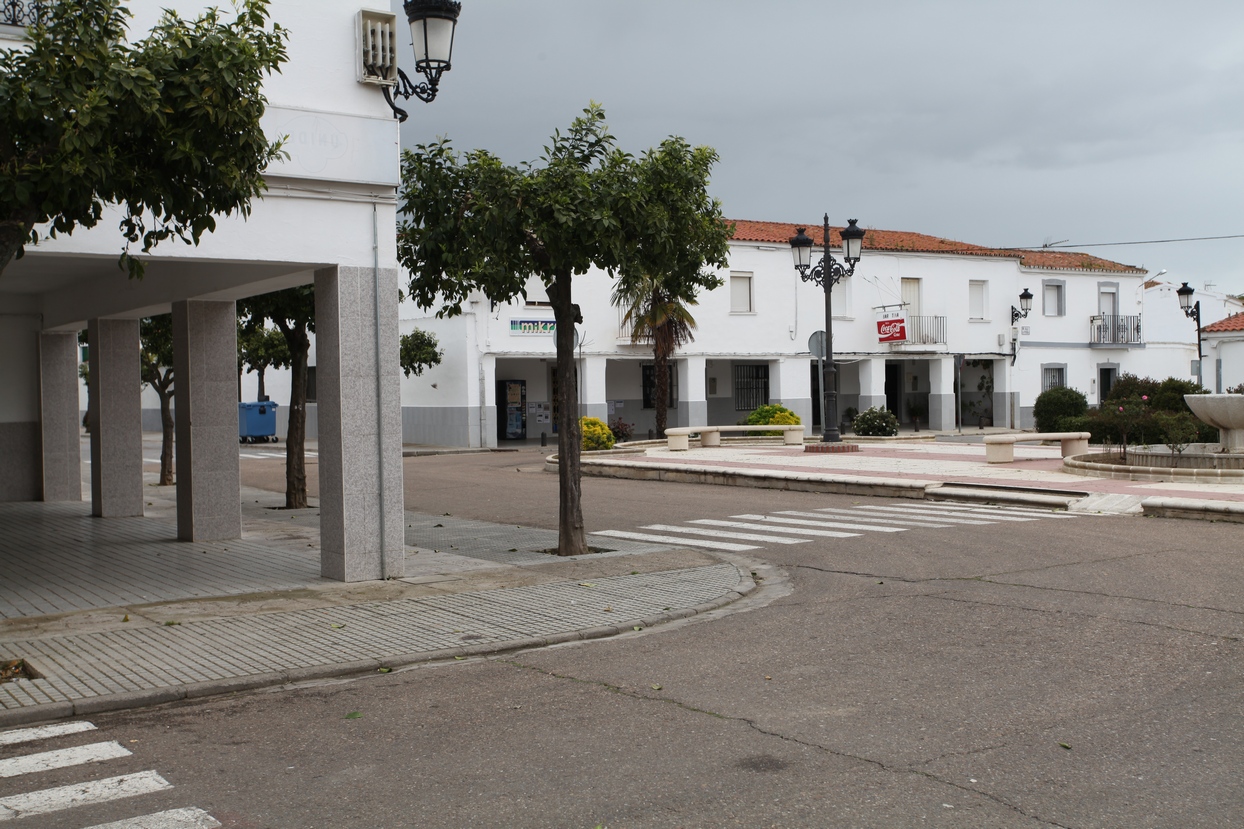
{"x":22,"y":12}
{"x":1113,"y":329}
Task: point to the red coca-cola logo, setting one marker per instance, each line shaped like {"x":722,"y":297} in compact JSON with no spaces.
{"x":890,"y":329}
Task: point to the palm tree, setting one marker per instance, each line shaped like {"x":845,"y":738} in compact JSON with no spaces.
{"x":659,"y":317}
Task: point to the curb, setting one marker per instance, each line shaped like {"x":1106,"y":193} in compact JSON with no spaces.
{"x":1000,"y":494}
{"x":1231,"y":511}
{"x":760,"y":479}
{"x":362,"y":667}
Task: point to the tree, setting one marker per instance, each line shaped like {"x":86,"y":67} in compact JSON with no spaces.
{"x":156,"y":370}
{"x":419,"y":351}
{"x":662,"y":321}
{"x":292,"y":311}
{"x":167,"y":128}
{"x":259,"y":349}
{"x":475,"y":224}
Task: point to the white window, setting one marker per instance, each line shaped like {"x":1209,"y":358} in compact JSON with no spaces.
{"x":910,"y":289}
{"x":1054,"y":300}
{"x":536,"y":293}
{"x":741,"y":293}
{"x":977,"y":296}
{"x":1053,"y":377}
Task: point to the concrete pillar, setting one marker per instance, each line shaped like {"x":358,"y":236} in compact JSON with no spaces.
{"x":360,"y":424}
{"x":942,"y":393}
{"x":872,"y":383}
{"x":116,"y":419}
{"x":60,"y":426}
{"x":205,"y":384}
{"x":593,"y":389}
{"x":692,"y":392}
{"x":20,"y":453}
{"x":487,"y":416}
{"x":1005,"y":403}
{"x":790,"y":384}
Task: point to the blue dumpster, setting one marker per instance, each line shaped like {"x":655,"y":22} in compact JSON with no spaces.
{"x":257,"y":422}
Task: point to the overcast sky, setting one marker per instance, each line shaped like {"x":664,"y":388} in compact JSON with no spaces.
{"x":991,"y":122}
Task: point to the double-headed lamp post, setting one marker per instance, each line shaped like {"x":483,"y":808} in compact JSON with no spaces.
{"x":432,"y":24}
{"x":1192,"y":310}
{"x":827,"y":273}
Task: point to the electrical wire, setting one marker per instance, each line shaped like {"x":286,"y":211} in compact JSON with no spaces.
{"x":1060,"y":245}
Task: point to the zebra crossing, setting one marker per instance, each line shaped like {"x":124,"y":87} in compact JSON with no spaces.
{"x":741,"y":533}
{"x":90,"y":792}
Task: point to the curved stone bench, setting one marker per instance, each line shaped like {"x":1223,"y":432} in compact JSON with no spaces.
{"x":1001,"y":448}
{"x":678,"y":439}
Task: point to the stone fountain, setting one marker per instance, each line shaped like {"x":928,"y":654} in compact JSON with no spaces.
{"x":1225,"y":412}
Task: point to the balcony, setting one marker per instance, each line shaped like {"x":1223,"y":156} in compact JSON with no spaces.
{"x":923,"y":332}
{"x":1115,"y":330}
{"x":22,"y":12}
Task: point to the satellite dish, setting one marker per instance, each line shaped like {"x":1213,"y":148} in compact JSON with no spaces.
{"x":816,"y":344}
{"x":576,"y":339}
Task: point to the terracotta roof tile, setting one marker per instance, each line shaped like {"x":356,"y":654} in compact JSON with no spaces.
{"x":1235,"y":322}
{"x":899,"y":240}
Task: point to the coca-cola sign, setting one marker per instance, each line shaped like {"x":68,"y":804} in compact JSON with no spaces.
{"x":892,"y":325}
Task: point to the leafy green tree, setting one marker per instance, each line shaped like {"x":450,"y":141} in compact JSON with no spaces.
{"x":292,"y":311}
{"x":167,"y":127}
{"x":259,"y":349}
{"x":474,"y":224}
{"x":419,"y":350}
{"x":156,"y":370}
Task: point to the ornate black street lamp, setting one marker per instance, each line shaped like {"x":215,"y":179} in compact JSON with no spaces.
{"x":827,"y":273}
{"x":1025,"y":305}
{"x":1192,"y":310}
{"x":432,"y":24}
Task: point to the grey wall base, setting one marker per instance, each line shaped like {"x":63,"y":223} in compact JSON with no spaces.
{"x":443,"y":425}
{"x":942,"y":411}
{"x":23,"y":471}
{"x":61,"y":428}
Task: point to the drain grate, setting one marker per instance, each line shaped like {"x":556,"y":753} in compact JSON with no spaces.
{"x":14,"y":669}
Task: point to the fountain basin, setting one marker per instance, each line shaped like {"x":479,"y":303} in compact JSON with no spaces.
{"x":1225,"y":412}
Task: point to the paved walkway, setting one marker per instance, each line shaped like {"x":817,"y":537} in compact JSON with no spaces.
{"x":939,"y":468}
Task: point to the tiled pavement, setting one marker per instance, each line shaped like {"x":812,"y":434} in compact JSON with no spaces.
{"x":202,"y":656}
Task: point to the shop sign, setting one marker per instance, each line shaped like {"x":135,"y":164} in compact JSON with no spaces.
{"x":892,"y":325}
{"x":528,"y":327}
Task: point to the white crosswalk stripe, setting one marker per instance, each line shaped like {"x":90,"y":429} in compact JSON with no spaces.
{"x":89,"y":793}
{"x":772,"y":539}
{"x":832,"y":522}
{"x":744,"y":525}
{"x":62,"y":758}
{"x":682,"y":542}
{"x":43,"y":732}
{"x":172,"y":819}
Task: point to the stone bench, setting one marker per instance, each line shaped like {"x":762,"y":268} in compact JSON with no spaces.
{"x":1001,"y":448}
{"x":678,"y":439}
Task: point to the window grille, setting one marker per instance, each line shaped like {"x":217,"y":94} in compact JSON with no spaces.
{"x":751,"y":387}
{"x":23,"y":12}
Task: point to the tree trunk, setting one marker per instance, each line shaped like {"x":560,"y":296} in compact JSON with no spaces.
{"x":262,"y":391}
{"x":295,"y":440}
{"x":571,"y":537}
{"x":661,"y":389}
{"x":164,"y":391}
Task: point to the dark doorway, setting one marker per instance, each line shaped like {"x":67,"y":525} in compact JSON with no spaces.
{"x":1105,"y":382}
{"x":894,"y":388}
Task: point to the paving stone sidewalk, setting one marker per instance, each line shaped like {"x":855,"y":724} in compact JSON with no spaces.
{"x":112,"y":669}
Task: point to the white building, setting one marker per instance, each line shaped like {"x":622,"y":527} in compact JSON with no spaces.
{"x":963,"y":359}
{"x":1224,"y":349}
{"x":328,"y":219}
{"x":1171,"y":337}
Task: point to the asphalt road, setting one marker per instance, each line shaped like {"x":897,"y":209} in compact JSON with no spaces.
{"x":1058,"y":672}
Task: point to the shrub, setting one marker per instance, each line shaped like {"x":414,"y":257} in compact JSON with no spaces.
{"x":1053,"y":405}
{"x":1178,"y":430}
{"x":1170,"y":395}
{"x":773,"y":414}
{"x":1236,"y":389}
{"x":875,"y":422}
{"x":622,"y":431}
{"x":596,"y":435}
{"x":1082,"y":423}
{"x":1129,"y":385}
{"x":848,"y":416}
